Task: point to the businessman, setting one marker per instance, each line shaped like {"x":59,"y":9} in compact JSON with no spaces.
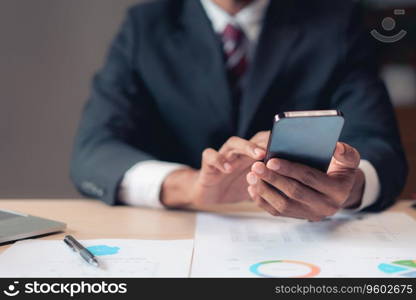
{"x":179,"y":116}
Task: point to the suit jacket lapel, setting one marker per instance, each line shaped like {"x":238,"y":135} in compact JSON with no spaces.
{"x":275,"y":42}
{"x":197,"y":41}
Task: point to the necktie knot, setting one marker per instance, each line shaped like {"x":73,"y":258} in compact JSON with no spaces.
{"x":234,"y":44}
{"x":232,"y":38}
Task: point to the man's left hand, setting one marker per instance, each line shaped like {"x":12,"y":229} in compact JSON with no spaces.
{"x":289,"y":189}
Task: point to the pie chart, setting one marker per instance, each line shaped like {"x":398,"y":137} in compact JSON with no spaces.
{"x":401,"y":268}
{"x":284,"y":269}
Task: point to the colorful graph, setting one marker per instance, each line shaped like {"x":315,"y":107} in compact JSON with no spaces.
{"x":402,"y":268}
{"x":284,"y":268}
{"x":101,"y":250}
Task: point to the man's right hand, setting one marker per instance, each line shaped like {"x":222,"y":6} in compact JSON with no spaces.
{"x":222,"y":177}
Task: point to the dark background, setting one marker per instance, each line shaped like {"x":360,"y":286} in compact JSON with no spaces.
{"x":49,"y":49}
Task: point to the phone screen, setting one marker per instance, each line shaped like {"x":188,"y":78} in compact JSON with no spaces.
{"x":309,"y":140}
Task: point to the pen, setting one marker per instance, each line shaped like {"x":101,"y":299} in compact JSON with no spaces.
{"x":77,"y":247}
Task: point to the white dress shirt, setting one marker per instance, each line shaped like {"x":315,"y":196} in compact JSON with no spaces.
{"x":142,"y":183}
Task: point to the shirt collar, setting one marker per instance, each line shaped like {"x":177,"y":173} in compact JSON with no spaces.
{"x":249,"y":19}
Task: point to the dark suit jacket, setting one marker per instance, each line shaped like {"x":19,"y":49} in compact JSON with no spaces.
{"x":163,"y":92}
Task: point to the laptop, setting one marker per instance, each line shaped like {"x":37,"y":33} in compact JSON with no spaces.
{"x":16,"y":226}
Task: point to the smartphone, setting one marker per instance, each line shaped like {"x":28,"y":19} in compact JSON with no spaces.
{"x":306,"y":137}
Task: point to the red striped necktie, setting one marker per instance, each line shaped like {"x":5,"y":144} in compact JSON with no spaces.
{"x":235,"y":55}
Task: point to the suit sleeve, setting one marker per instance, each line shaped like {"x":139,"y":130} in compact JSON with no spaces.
{"x":113,"y":120}
{"x":370,"y":124}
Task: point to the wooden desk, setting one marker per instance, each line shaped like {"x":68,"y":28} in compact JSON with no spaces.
{"x":89,"y":219}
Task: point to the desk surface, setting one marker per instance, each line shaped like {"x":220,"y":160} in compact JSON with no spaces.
{"x":89,"y":219}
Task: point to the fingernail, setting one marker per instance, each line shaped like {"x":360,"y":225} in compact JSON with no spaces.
{"x":273,"y":165}
{"x":258,"y":151}
{"x":258,"y":168}
{"x":227,"y":167}
{"x":252,"y":178}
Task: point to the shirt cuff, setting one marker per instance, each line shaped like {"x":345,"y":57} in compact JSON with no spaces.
{"x":142,"y":183}
{"x":371,"y":186}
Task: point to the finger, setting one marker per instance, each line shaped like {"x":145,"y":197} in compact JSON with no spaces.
{"x":237,"y":145}
{"x":346,"y":157}
{"x":276,"y":200}
{"x":311,"y":177}
{"x":260,"y":202}
{"x":261,"y":135}
{"x":251,"y":191}
{"x":319,"y":204}
{"x":213,"y":159}
{"x":284,"y":206}
{"x":261,"y":139}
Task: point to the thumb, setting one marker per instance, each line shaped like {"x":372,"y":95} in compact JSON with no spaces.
{"x":345,"y":157}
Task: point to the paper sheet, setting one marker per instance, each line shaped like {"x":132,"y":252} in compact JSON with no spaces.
{"x":374,"y":245}
{"x":118,"y":258}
